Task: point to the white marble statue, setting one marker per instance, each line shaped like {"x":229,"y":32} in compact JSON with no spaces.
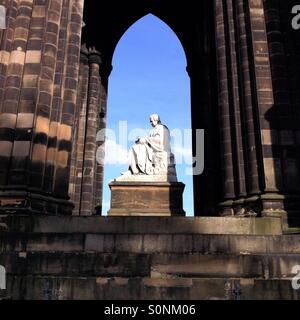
{"x":151,"y":159}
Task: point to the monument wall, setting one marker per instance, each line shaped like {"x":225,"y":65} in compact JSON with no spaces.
{"x":243,"y":59}
{"x":243,"y":64}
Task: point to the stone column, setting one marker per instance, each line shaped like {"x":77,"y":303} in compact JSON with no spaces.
{"x":99,"y":171}
{"x":272,"y":201}
{"x":92,"y":125}
{"x":235,"y":103}
{"x":246,"y":97}
{"x":224,"y":109}
{"x":69,"y":93}
{"x":6,"y":48}
{"x":86,"y":182}
{"x":58,"y":86}
{"x":281,"y":142}
{"x":38,"y":103}
{"x":15,"y":121}
{"x":249,"y":107}
{"x":45,"y":53}
{"x":79,"y":139}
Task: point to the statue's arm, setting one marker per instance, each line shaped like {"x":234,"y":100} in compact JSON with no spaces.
{"x":155,"y":140}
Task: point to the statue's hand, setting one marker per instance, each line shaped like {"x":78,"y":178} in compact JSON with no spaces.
{"x":142,"y":140}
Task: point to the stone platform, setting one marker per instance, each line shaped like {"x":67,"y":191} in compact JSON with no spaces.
{"x":133,"y":198}
{"x":163,"y":258}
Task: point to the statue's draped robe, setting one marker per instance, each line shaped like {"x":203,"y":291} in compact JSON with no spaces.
{"x":153,"y":156}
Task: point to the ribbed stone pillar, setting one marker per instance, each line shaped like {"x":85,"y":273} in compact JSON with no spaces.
{"x":14,"y":96}
{"x":6,"y":49}
{"x":92,"y":125}
{"x":16,"y":120}
{"x":251,"y":171}
{"x":47,"y":55}
{"x":86,"y":182}
{"x":235,"y":102}
{"x":99,"y":171}
{"x":56,"y":109}
{"x":38,"y":85}
{"x":224,"y":110}
{"x":79,"y":137}
{"x":281,"y":141}
{"x":272,"y":201}
{"x":71,"y":74}
{"x":248,"y":104}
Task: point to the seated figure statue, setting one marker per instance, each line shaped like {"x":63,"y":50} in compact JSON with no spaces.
{"x":151,"y":158}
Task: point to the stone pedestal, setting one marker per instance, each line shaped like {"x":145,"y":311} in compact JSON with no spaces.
{"x":146,"y":198}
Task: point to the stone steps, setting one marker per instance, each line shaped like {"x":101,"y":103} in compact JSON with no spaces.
{"x":271,"y":266}
{"x":150,"y":265}
{"x":147,"y":258}
{"x":100,"y":288}
{"x":142,"y":225}
{"x":77,"y":264}
{"x":149,"y":243}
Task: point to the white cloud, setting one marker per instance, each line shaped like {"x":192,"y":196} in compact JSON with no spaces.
{"x":115,"y":153}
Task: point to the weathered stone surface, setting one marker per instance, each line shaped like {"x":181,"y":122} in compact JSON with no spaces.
{"x":143,"y":243}
{"x":53,"y":94}
{"x":134,"y":258}
{"x":77,"y":264}
{"x":146,"y":199}
{"x":91,"y":288}
{"x":145,"y":225}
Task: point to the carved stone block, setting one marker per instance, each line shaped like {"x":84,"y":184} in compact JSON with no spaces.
{"x":146,"y":199}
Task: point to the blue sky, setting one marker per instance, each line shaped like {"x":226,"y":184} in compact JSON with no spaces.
{"x":149,"y":76}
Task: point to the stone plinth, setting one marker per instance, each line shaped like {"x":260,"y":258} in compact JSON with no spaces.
{"x":146,"y":198}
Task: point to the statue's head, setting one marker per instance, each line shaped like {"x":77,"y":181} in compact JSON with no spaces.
{"x":154,"y":119}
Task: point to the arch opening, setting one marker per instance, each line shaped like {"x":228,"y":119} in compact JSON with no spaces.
{"x":197,"y":48}
{"x":149,"y":76}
